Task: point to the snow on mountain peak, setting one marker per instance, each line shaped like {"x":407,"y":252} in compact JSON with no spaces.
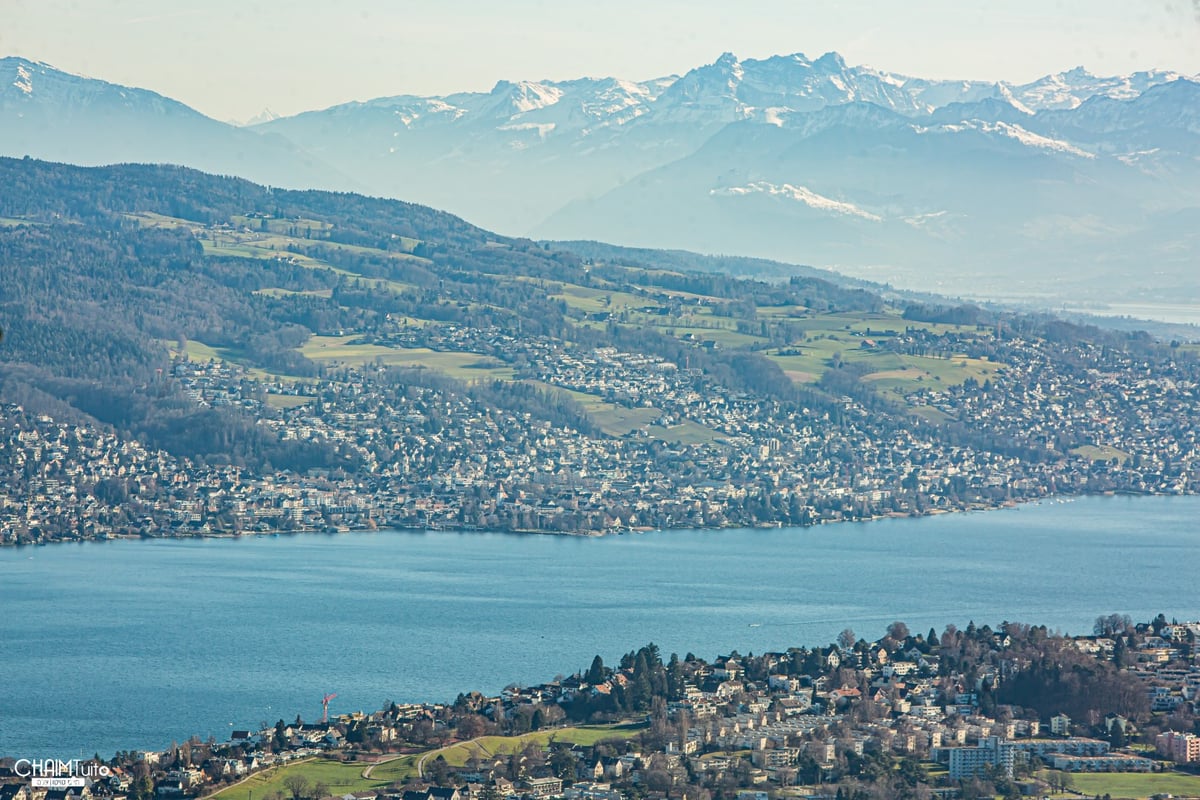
{"x":1031,"y":139}
{"x":800,"y":194}
{"x":778,"y":90}
{"x":527,"y":95}
{"x":23,"y":81}
{"x":831,"y":62}
{"x":1009,"y":130}
{"x":23,"y":73}
{"x":262,"y":117}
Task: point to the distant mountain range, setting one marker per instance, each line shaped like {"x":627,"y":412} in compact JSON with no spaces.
{"x":1072,"y":186}
{"x":48,"y":114}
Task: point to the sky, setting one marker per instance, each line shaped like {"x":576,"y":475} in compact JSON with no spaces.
{"x":231,"y":59}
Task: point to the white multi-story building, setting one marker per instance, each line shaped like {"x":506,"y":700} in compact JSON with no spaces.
{"x":969,"y":762}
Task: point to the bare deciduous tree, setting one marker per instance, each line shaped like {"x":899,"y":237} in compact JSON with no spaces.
{"x":297,"y":785}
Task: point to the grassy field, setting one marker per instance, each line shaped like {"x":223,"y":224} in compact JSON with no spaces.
{"x":340,"y":778}
{"x":611,"y":418}
{"x":1100,"y":452}
{"x":199,"y":351}
{"x":891,"y":373}
{"x":915,"y":372}
{"x":287,"y":400}
{"x":460,"y":365}
{"x":279,"y":225}
{"x":931,"y":414}
{"x":286,"y":292}
{"x":685,"y":433}
{"x":490,"y":746}
{"x":592,"y":300}
{"x":273,"y":242}
{"x":151,"y":220}
{"x":1137,"y":784}
{"x":354,"y":248}
{"x":344,"y":778}
{"x":783,"y":312}
{"x":302,"y":226}
{"x":725,"y":337}
{"x":618,"y":420}
{"x":405,"y":767}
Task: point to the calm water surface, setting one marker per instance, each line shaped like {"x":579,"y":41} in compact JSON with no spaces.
{"x":107,"y":646}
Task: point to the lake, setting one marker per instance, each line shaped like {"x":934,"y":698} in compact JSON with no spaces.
{"x":134,"y":644}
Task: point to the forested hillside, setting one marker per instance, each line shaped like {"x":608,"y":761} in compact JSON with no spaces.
{"x":395,"y":351}
{"x":93,"y":288}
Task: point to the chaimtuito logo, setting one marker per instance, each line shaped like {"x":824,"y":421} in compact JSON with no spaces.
{"x":53,"y":773}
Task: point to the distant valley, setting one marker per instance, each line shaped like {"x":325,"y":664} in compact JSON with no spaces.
{"x":1072,"y":187}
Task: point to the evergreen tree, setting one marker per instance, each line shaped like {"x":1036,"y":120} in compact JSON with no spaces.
{"x":675,"y":679}
{"x":596,"y":672}
{"x":1116,"y":735}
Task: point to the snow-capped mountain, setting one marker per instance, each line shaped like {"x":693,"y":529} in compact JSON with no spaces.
{"x":518,"y":155}
{"x":982,"y":198}
{"x":49,"y":114}
{"x":1165,"y":115}
{"x":1066,"y":90}
{"x":754,"y":89}
{"x":264,"y":116}
{"x":934,"y":184}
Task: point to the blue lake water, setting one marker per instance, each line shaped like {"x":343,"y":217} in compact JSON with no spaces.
{"x":118,"y":645}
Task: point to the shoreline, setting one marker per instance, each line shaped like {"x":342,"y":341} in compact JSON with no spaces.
{"x":808,"y":587}
{"x":589,"y":534}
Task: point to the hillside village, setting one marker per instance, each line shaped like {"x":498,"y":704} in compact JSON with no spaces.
{"x":422,"y":450}
{"x":268,"y":361}
{"x":977,"y":712}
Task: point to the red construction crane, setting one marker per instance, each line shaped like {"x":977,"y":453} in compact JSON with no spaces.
{"x":325,"y":706}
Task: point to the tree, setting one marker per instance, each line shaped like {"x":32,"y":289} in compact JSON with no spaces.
{"x":846,"y":639}
{"x":595,"y":673}
{"x":562,"y":761}
{"x":471,"y":726}
{"x":297,"y":786}
{"x":898,"y":631}
{"x":1116,"y":734}
{"x":441,"y":771}
{"x":1112,"y":624}
{"x":1068,"y":781}
{"x":1057,"y":780}
{"x":1120,"y":652}
{"x":141,"y":789}
{"x":676,"y":683}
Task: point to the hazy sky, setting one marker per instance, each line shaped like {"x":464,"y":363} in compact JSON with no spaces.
{"x":231,"y":58}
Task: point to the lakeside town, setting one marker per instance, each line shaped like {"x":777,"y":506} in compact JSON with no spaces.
{"x":422,"y":450}
{"x":325,"y":362}
{"x":1010,"y":711}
